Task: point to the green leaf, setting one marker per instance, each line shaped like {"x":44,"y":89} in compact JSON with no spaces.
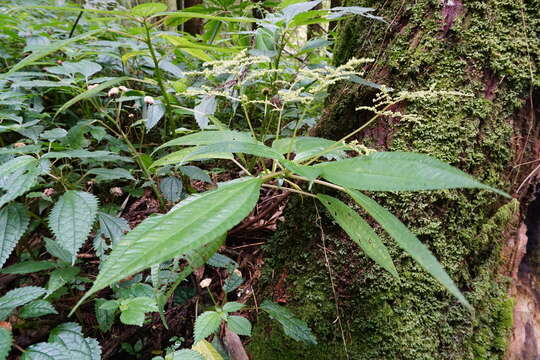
{"x":18,"y":183}
{"x":291,"y":11}
{"x":85,"y":154}
{"x":360,"y":232}
{"x":103,"y":174}
{"x":6,"y":340}
{"x":148,"y":9}
{"x":37,"y":308}
{"x":20,"y":162}
{"x":195,"y":15}
{"x":13,"y":223}
{"x":306,"y":146}
{"x":56,"y":250}
{"x":90,"y":93}
{"x":179,"y":157}
{"x":70,"y":337}
{"x":257,"y":149}
{"x":222,"y":261}
{"x":51,"y":48}
{"x":409,"y":242}
{"x":28,"y":267}
{"x":206,"y":349}
{"x":232,"y":282}
{"x":233,"y":306}
{"x":206,"y":324}
{"x":208,"y":104}
{"x":398,"y":171}
{"x":60,"y":277}
{"x":171,"y":187}
{"x":309,"y":172}
{"x":184,"y":43}
{"x":154,"y":113}
{"x":112,"y":227}
{"x":239,"y":325}
{"x":18,"y":297}
{"x":53,"y":134}
{"x":186,"y":354}
{"x":208,"y":137}
{"x":74,"y":9}
{"x":199,"y":54}
{"x":43,"y":83}
{"x":110,"y":305}
{"x":293,"y":327}
{"x":134,"y":310}
{"x":199,"y":256}
{"x":71,"y":219}
{"x":46,"y":351}
{"x":105,"y":317}
{"x":185,"y":228}
{"x":195,"y":173}
{"x":314,"y":44}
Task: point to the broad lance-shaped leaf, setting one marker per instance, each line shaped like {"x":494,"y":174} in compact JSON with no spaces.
{"x":398,"y":171}
{"x":179,"y":157}
{"x":188,"y":227}
{"x":257,"y":149}
{"x":71,"y":219}
{"x":360,"y":232}
{"x":409,"y":242}
{"x":13,"y":223}
{"x":306,"y":146}
{"x":36,"y":55}
{"x":292,"y":326}
{"x":208,"y":137}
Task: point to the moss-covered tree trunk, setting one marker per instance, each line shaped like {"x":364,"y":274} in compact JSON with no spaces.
{"x":489,"y":50}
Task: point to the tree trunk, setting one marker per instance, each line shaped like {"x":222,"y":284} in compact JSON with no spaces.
{"x":192,"y":26}
{"x":489,"y":50}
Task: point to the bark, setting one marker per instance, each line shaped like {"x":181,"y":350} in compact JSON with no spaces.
{"x":489,"y":50}
{"x":192,"y":26}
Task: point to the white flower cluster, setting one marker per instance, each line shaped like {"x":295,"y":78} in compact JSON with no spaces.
{"x":233,"y":66}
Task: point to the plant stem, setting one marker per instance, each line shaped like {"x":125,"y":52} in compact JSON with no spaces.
{"x":142,"y":166}
{"x":289,"y":189}
{"x":249,"y":121}
{"x":320,"y":182}
{"x":170,"y":123}
{"x":336,"y":144}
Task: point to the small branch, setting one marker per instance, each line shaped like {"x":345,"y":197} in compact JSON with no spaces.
{"x":320,"y":182}
{"x":289,"y":190}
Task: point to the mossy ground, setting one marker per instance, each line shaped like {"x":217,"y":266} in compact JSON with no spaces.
{"x":488,"y":53}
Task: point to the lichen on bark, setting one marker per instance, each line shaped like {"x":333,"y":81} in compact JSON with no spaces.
{"x":487,"y":49}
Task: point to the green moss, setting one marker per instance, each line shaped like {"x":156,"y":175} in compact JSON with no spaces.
{"x":416,"y":318}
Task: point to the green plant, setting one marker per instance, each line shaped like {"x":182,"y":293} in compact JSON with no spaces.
{"x":66,"y":341}
{"x":79,"y":128}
